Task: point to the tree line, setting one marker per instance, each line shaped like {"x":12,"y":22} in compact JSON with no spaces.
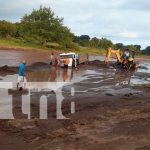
{"x":42,"y":27}
{"x":103,"y":43}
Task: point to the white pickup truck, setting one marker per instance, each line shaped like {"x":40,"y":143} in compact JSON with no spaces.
{"x":70,"y":56}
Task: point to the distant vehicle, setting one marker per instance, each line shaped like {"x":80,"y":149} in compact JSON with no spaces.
{"x":71,"y":56}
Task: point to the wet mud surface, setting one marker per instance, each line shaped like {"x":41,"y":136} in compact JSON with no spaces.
{"x":112,"y":109}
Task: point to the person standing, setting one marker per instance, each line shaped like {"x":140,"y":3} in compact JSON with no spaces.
{"x":66,"y":62}
{"x":52,"y":59}
{"x":77,"y":59}
{"x":74,"y":61}
{"x":57,"y":62}
{"x":21,"y":76}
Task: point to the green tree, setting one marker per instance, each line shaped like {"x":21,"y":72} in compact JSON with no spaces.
{"x":119,"y":46}
{"x":82,"y":40}
{"x":133,"y":47}
{"x":146,"y":51}
{"x":105,"y":43}
{"x":7,"y":29}
{"x":42,"y":25}
{"x":94,"y":42}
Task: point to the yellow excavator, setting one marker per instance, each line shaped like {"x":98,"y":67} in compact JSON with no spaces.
{"x":124,"y":60}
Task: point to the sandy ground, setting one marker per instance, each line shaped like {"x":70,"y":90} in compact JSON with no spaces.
{"x":107,"y":117}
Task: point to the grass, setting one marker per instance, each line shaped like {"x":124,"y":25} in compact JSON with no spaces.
{"x":92,"y":51}
{"x":17,"y":43}
{"x":21,"y":44}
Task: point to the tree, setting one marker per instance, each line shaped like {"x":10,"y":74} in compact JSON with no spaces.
{"x":138,"y":47}
{"x":146,"y":51}
{"x":133,"y":47}
{"x":85,"y":38}
{"x":94,"y":42}
{"x":45,"y":27}
{"x":82,"y":40}
{"x":105,"y":43}
{"x":7,"y":29}
{"x":119,"y":46}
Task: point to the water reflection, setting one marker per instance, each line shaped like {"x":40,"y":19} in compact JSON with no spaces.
{"x":99,"y":77}
{"x":53,"y":74}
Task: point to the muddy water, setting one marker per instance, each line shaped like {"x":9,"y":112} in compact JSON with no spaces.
{"x":99,"y":78}
{"x":13,"y":58}
{"x":102,"y":76}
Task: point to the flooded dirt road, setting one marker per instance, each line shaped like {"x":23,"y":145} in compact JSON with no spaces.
{"x":111,"y":110}
{"x":13,"y":58}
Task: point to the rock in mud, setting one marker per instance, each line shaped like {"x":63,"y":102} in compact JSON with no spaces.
{"x":128,"y":95}
{"x":7,"y":70}
{"x":109,"y":94}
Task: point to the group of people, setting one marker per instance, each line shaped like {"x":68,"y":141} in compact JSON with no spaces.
{"x":54,"y":61}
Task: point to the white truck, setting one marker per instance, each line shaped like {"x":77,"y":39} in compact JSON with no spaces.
{"x":71,"y":56}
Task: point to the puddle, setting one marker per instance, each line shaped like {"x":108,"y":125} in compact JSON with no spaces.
{"x":13,"y":57}
{"x":104,"y":77}
{"x":142,"y":75}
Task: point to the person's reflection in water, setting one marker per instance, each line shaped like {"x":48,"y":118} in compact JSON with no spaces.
{"x":53,"y":74}
{"x":65,"y":74}
{"x":71,"y":76}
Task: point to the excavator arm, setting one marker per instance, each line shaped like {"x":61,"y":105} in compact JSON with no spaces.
{"x":110,"y":52}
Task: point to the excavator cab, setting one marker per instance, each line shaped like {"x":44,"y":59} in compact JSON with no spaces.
{"x":128,"y":63}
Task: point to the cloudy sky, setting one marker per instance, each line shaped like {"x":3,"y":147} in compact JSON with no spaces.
{"x":122,"y":21}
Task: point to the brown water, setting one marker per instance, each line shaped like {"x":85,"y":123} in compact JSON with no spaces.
{"x":104,"y":77}
{"x":95,"y":80}
{"x":13,"y":58}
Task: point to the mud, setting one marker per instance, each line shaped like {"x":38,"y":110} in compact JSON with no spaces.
{"x":112,"y":110}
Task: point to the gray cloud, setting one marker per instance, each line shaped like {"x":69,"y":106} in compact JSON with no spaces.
{"x":120,"y":20}
{"x":138,"y":5}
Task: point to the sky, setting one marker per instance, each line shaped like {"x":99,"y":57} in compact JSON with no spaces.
{"x":122,"y":21}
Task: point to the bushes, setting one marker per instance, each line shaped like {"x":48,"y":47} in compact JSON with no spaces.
{"x":7,"y":29}
{"x":39,"y":27}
